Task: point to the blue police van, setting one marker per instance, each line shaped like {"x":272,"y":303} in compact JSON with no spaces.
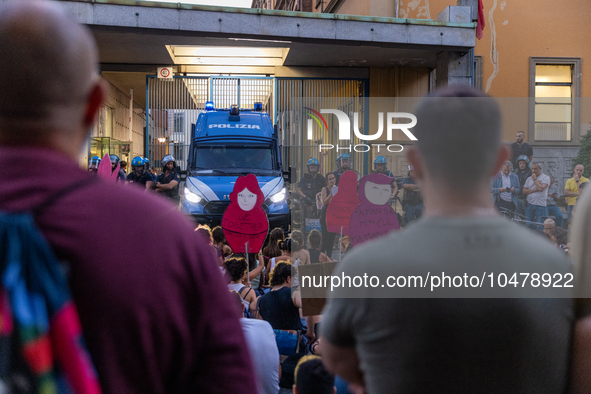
{"x":228,"y":143}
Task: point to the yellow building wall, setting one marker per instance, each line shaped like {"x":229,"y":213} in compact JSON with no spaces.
{"x":382,"y":8}
{"x":354,"y":7}
{"x":415,"y":9}
{"x":515,"y":31}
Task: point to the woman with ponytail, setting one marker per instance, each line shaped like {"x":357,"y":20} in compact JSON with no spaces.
{"x":300,"y":252}
{"x":286,"y":247}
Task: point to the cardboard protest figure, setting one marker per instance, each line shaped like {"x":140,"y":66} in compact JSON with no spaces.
{"x":105,"y":169}
{"x":373,"y":217}
{"x":342,"y":205}
{"x":245,"y":220}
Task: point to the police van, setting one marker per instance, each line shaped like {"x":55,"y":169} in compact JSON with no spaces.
{"x":226,"y":144}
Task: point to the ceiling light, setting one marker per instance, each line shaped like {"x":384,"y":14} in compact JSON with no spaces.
{"x":226,"y":51}
{"x":202,"y":55}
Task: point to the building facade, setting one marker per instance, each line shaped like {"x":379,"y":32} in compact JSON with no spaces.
{"x":282,"y":57}
{"x":531,"y":57}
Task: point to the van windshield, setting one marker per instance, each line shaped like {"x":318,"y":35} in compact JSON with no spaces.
{"x":235,"y":158}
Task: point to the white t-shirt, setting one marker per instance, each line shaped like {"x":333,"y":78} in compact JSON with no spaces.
{"x":538,"y":198}
{"x":264,"y":354}
{"x":236,"y":287}
{"x":506,"y":179}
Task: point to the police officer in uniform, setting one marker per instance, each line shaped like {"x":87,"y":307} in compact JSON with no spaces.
{"x":311,"y":184}
{"x":412,"y":201}
{"x":343,"y":164}
{"x":139,"y":175}
{"x":148,"y":169}
{"x":380,"y":167}
{"x":169,"y":179}
{"x":93,"y":165}
{"x":121,"y":177}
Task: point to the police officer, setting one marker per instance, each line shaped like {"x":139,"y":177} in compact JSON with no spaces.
{"x":311,"y":184}
{"x":148,"y":168}
{"x":121,"y":177}
{"x":412,"y":201}
{"x":139,"y":175}
{"x":169,"y":179}
{"x":94,"y":163}
{"x":379,"y":167}
{"x":343,"y":164}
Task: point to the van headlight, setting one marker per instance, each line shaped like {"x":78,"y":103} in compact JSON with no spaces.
{"x":192,"y":197}
{"x":278,"y":197}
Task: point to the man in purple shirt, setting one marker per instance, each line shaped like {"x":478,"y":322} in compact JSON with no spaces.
{"x":156,"y":314}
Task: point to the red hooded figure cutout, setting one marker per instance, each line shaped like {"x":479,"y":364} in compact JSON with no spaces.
{"x":373,"y":217}
{"x":105,"y":169}
{"x":342,"y":205}
{"x":245,"y":220}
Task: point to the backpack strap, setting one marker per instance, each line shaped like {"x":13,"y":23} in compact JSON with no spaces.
{"x":240,"y":292}
{"x":62,"y":193}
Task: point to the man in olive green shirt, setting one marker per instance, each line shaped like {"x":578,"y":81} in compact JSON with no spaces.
{"x":383,"y":341}
{"x":571,"y":189}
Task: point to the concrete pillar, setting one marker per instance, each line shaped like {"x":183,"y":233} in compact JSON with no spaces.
{"x":473,"y":4}
{"x":455,"y":14}
{"x":454,"y":68}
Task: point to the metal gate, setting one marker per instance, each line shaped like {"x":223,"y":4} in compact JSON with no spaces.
{"x":173,"y":106}
{"x":294,"y":95}
{"x":244,"y":91}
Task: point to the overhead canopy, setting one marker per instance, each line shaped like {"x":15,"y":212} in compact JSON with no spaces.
{"x":138,"y":36}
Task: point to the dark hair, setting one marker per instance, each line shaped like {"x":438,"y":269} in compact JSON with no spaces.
{"x":280,"y":273}
{"x":289,"y":244}
{"x":458,"y":125}
{"x":235,"y":267}
{"x":560,"y":234}
{"x":582,"y":186}
{"x":311,"y":377}
{"x":218,"y":235}
{"x":272,"y":248}
{"x":315,"y":239}
{"x":297,"y":236}
{"x":205,"y":232}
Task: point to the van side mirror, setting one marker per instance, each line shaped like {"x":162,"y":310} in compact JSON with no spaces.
{"x":287,"y":175}
{"x":183,"y":175}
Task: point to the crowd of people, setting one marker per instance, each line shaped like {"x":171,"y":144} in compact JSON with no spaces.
{"x":533,"y":195}
{"x":176,"y":311}
{"x":270,"y":305}
{"x":167,"y":182}
{"x":316,"y":192}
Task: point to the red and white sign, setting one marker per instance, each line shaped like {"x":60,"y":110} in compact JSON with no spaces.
{"x":165,"y":72}
{"x":245,"y":221}
{"x":342,"y":205}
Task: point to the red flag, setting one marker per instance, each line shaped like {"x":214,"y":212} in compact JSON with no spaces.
{"x":480,"y":23}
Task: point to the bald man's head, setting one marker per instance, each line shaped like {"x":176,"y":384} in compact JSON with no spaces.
{"x":48,"y":68}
